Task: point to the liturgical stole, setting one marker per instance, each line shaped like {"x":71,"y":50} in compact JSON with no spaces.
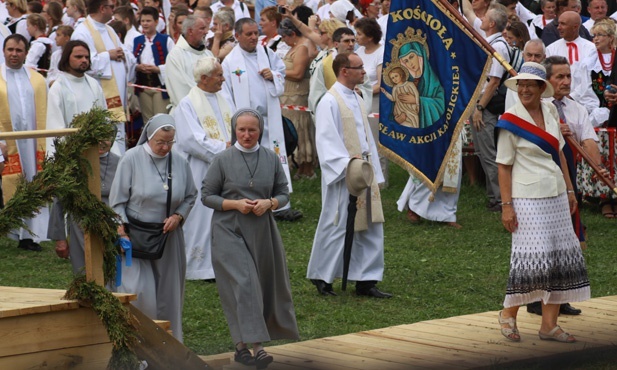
{"x":12,"y":173}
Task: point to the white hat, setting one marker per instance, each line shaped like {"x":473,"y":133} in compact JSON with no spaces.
{"x":531,"y":71}
{"x":359,"y":176}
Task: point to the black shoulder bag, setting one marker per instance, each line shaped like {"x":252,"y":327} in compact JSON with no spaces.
{"x":147,"y":238}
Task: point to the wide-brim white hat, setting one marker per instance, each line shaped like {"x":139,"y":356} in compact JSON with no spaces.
{"x":531,"y":71}
{"x":359,"y":176}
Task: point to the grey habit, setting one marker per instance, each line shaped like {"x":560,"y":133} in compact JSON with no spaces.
{"x":247,"y":251}
{"x":138,"y":190}
{"x":57,"y":228}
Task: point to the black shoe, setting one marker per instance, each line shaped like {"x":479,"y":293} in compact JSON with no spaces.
{"x":263,"y":359}
{"x":322,"y":287}
{"x":494,"y":207}
{"x":210,"y":281}
{"x":535,"y":307}
{"x":566,"y":309}
{"x":244,"y":357}
{"x":373,"y":292}
{"x":29,"y":245}
{"x":289,"y":214}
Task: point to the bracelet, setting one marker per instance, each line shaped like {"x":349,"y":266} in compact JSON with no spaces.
{"x":179,"y":215}
{"x":506,"y":203}
{"x":570,"y":191}
{"x":271,"y":204}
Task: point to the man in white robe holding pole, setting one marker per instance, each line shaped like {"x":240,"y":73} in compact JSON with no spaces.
{"x":23,"y":103}
{"x":182,"y":58}
{"x":111,"y":64}
{"x":254,"y":78}
{"x":203,"y":130}
{"x":343,"y":133}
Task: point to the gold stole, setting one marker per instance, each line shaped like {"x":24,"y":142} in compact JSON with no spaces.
{"x":12,"y":165}
{"x":352,"y":144}
{"x":328,"y":73}
{"x":206,"y":115}
{"x":110,"y":88}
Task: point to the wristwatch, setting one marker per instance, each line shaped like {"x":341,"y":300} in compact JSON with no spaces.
{"x":479,"y":107}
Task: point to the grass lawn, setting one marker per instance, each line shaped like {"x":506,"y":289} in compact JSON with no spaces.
{"x":434,"y":271}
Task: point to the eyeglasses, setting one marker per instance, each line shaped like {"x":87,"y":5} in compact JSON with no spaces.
{"x":600,"y":34}
{"x":530,"y":85}
{"x":164,"y":143}
{"x":358,"y":67}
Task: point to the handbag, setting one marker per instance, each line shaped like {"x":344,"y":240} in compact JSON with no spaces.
{"x":147,"y":238}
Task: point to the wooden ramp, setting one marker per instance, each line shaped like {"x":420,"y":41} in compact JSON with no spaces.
{"x":462,"y":342}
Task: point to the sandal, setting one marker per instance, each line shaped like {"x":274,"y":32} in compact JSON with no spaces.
{"x":263,"y":359}
{"x":511,"y":332}
{"x":244,"y":357}
{"x":563,"y":337}
{"x":607,"y":210}
{"x":413,"y":217}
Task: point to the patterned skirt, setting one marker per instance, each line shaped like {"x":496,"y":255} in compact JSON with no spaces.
{"x":546,"y":261}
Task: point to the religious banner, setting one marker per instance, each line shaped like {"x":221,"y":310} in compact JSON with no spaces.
{"x":433,"y":69}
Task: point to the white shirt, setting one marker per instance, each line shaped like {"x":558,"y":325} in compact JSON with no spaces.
{"x":577,"y":120}
{"x":584,"y":49}
{"x":36,"y":51}
{"x":371,"y":62}
{"x":238,"y":12}
{"x":130,"y":38}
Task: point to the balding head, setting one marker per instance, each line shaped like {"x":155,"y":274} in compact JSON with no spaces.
{"x":569,"y":23}
{"x":534,"y":51}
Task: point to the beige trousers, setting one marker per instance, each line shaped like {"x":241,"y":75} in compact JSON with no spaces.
{"x":151,"y":103}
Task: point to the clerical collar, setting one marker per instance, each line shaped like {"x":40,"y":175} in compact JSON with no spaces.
{"x":104,"y":155}
{"x":244,"y":150}
{"x":345,"y":90}
{"x":151,"y":153}
{"x":96,"y":23}
{"x":200,"y":48}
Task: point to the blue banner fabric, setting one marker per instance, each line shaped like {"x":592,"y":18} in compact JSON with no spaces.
{"x":433,"y":73}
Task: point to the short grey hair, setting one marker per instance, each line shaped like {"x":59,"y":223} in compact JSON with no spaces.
{"x":189,"y":23}
{"x":225,"y":17}
{"x":536,"y":42}
{"x":241,"y":22}
{"x":204,"y":66}
{"x":498,"y":16}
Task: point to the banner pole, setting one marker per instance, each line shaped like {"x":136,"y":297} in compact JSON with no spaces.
{"x":489,"y":50}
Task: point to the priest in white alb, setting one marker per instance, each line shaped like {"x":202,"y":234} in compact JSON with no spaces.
{"x":203,"y":130}
{"x":255,"y":78}
{"x":343,"y":133}
{"x":182,"y":58}
{"x":111,"y":65}
{"x":23,"y":103}
{"x":73,"y":92}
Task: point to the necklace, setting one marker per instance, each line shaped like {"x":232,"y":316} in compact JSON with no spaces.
{"x":165,"y":186}
{"x":606,"y":66}
{"x":252,"y":173}
{"x":105,"y":174}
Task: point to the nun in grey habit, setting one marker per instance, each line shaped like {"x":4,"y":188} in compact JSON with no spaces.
{"x":140,"y":190}
{"x":244,"y":184}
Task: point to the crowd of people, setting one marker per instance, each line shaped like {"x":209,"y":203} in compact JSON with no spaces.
{"x":218,"y":86}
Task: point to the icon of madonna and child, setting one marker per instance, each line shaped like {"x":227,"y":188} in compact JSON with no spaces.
{"x":417,"y":94}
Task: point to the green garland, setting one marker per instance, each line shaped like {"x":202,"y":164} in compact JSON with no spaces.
{"x":65,"y":176}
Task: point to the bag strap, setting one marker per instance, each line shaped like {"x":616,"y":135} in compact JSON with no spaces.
{"x":169,"y":184}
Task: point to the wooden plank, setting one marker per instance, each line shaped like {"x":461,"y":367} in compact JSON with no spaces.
{"x":93,"y":357}
{"x":464,"y":342}
{"x":93,"y":245}
{"x":161,"y":350}
{"x":33,"y":134}
{"x":50,"y":331}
